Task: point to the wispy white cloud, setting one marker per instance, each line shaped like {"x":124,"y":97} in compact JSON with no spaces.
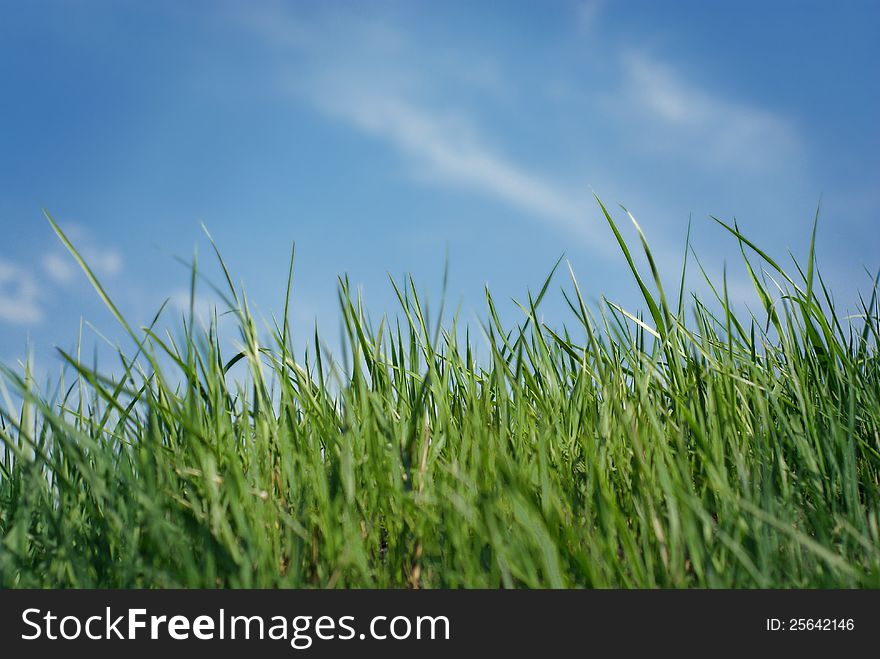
{"x":106,"y":261}
{"x":587,"y":13}
{"x":448,"y":151}
{"x":24,"y":290}
{"x":386,"y":84}
{"x":60,"y":266}
{"x":683,"y":120}
{"x":379,"y":88}
{"x":19,"y":295}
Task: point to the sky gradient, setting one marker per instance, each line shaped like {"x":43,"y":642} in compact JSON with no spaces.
{"x":387,"y":137}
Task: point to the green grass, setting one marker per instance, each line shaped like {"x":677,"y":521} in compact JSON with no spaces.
{"x":689,"y":447}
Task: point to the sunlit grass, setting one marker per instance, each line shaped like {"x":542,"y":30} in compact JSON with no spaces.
{"x":687,"y":447}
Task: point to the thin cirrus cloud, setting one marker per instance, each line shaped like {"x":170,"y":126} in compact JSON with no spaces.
{"x":651,"y":111}
{"x":19,"y":295}
{"x":386,"y":101}
{"x":674,"y":117}
{"x":376,"y":86}
{"x":24,"y":290}
{"x":60,"y":267}
{"x":447,"y":153}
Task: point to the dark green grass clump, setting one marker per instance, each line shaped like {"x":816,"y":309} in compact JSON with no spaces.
{"x":688,"y":447}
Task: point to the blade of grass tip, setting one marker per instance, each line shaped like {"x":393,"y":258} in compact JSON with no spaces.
{"x":79,"y":378}
{"x":868,"y":309}
{"x":687,"y":243}
{"x":810,"y":307}
{"x":495,"y":322}
{"x":811,"y":260}
{"x":93,"y":280}
{"x":222,"y":263}
{"x":402,"y":299}
{"x":422,"y":325}
{"x":718,"y":296}
{"x":286,"y":331}
{"x":28,"y":420}
{"x":736,"y":232}
{"x":547,"y":282}
{"x":650,"y":330}
{"x":646,"y":294}
{"x":728,"y":315}
{"x":763,"y":295}
{"x":318,"y":358}
{"x":140,"y":345}
{"x":220,"y":294}
{"x":443,"y":292}
{"x":655,"y":273}
{"x":531,"y":311}
{"x":585,"y":319}
{"x":192,"y":294}
{"x":829,"y":300}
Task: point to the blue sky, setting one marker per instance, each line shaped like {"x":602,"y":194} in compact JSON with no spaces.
{"x":383,"y":136}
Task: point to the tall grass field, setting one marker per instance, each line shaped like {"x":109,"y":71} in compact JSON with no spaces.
{"x":686,"y":445}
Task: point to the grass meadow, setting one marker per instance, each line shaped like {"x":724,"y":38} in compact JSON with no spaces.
{"x":682,"y":446}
